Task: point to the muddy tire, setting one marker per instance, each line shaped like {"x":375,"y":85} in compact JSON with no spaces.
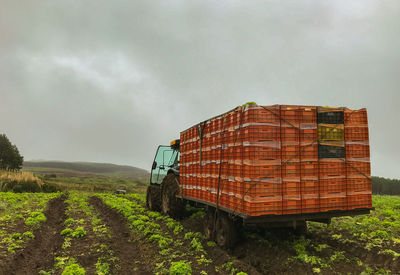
{"x":226,"y":233}
{"x":209,"y":224}
{"x":301,"y":229}
{"x":170,"y":204}
{"x":153,"y":198}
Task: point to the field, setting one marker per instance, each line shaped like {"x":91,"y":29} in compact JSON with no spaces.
{"x":100,"y":233}
{"x":89,"y":176}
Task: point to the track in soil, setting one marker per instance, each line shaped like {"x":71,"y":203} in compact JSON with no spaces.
{"x":38,"y":254}
{"x":128,"y":252}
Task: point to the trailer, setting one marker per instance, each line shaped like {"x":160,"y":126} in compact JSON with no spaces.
{"x":266,"y":166}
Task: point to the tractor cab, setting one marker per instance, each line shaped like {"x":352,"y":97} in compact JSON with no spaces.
{"x":165,"y":162}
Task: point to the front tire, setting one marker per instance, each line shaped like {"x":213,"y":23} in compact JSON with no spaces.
{"x":170,"y":204}
{"x":153,"y":198}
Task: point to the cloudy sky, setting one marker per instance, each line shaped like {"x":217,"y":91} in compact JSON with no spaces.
{"x":108,"y":81}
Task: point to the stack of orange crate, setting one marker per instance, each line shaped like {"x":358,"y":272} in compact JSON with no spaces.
{"x":359,"y":193}
{"x":264,"y":160}
{"x":332,"y":166}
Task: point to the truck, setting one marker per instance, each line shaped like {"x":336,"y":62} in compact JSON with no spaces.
{"x":266,"y":166}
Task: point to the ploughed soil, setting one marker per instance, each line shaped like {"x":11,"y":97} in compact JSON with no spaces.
{"x":133,"y":257}
{"x":38,"y":254}
{"x":271,"y":251}
{"x":254,"y":252}
{"x":134,"y":252}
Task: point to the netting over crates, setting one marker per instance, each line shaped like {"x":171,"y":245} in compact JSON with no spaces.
{"x":280,"y":159}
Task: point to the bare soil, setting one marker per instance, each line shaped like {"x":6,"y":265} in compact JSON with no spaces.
{"x":270,"y":251}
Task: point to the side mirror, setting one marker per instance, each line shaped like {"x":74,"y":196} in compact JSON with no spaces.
{"x":154,"y":165}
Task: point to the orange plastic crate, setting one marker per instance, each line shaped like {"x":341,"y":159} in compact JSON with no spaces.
{"x":308,"y":132}
{"x":268,"y":114}
{"x":291,"y":188}
{"x":290,"y":169}
{"x":309,"y":186}
{"x":259,"y":133}
{"x":257,"y":188}
{"x":357,"y":150}
{"x":332,"y":203}
{"x":232,"y":138}
{"x":356,"y":133}
{"x":331,"y":168}
{"x":263,"y":208}
{"x":355,"y":117}
{"x":254,"y":152}
{"x":232,"y":119}
{"x":290,"y":114}
{"x":308,"y":114}
{"x":359,"y":201}
{"x":290,"y":151}
{"x":289,"y":133}
{"x":309,"y":151}
{"x":255,"y":172}
{"x":358,"y":168}
{"x":358,"y":184}
{"x":309,"y":168}
{"x":291,"y":204}
{"x":309,"y":205}
{"x":332,"y":185}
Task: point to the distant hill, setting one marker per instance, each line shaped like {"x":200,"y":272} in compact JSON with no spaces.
{"x":89,"y":169}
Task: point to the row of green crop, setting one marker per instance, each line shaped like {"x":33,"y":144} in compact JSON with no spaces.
{"x":165,"y":232}
{"x":175,"y":243}
{"x":379,"y":230}
{"x":23,"y":211}
{"x":82,"y":222}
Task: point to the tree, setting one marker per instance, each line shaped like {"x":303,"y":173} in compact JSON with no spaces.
{"x":10,"y":158}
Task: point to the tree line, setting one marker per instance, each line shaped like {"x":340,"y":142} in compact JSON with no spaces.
{"x":10,"y":158}
{"x":383,"y":186}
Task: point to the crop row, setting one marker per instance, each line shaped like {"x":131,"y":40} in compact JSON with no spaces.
{"x":83,"y":235}
{"x":176,"y":246}
{"x":20,"y":215}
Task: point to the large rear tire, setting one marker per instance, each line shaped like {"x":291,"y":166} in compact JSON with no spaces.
{"x":226,"y":234}
{"x":301,"y":229}
{"x":209,"y":224}
{"x":153,"y":198}
{"x":170,"y":204}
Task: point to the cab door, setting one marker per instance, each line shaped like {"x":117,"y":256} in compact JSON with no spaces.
{"x":163,"y":161}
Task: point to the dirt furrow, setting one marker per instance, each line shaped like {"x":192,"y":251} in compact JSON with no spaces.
{"x":129,"y":252}
{"x":356,"y":249}
{"x":39,"y":253}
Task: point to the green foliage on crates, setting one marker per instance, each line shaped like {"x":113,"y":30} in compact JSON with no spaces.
{"x":330,"y":133}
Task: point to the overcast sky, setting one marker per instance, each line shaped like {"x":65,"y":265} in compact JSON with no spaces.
{"x":108,"y":81}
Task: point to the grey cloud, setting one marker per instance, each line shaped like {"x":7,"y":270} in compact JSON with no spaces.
{"x":108,"y":81}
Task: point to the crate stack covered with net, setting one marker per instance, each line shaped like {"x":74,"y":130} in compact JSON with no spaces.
{"x":277,"y":160}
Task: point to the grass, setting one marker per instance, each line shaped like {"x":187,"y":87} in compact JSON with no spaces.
{"x":91,"y":169}
{"x":19,"y":182}
{"x":95,"y":184}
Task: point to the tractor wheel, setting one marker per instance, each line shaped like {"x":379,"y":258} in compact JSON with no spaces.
{"x":226,"y":234}
{"x":209,"y":224}
{"x":301,"y":229}
{"x":170,"y":204}
{"x":153,"y":197}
